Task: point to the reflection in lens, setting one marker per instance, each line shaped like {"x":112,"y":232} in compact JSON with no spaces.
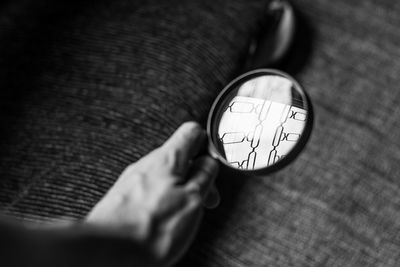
{"x":261,"y":121}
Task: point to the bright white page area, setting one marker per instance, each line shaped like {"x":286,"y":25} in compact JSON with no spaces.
{"x":256,"y":133}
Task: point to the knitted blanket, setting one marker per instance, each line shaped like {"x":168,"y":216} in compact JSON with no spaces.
{"x":88,"y":87}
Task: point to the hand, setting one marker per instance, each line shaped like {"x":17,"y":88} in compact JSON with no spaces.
{"x":157,"y":201}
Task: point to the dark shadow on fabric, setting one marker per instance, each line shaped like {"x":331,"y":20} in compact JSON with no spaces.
{"x":26,"y":51}
{"x":302,"y":48}
{"x":27,"y":54}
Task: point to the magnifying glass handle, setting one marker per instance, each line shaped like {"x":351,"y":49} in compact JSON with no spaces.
{"x":275,"y":36}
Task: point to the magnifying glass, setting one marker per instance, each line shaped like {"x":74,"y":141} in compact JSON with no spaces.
{"x":262,"y":120}
{"x":259,"y":122}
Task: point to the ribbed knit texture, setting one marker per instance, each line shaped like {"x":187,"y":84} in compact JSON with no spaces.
{"x":89,"y":88}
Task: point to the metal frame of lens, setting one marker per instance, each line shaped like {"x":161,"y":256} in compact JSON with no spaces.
{"x":221,"y":99}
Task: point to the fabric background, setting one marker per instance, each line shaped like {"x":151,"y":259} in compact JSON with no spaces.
{"x":87,"y":88}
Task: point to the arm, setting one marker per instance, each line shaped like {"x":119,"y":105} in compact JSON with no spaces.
{"x":148,"y":218}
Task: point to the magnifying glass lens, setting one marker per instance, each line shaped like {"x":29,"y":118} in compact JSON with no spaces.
{"x":258,"y":120}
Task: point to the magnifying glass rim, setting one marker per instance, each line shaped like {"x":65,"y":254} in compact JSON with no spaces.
{"x":297,"y":147}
